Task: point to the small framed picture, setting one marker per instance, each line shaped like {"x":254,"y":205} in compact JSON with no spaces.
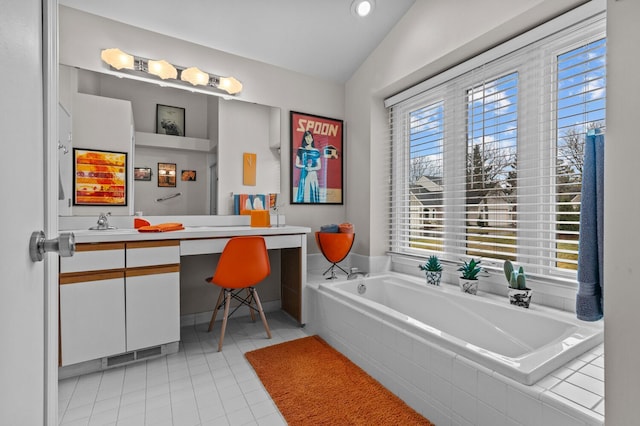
{"x":170,"y":120}
{"x":167,"y":174}
{"x":142,"y":173}
{"x":188,"y":175}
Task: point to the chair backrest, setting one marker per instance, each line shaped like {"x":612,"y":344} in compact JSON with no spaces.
{"x":244,"y":262}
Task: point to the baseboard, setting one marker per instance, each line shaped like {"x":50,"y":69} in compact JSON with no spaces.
{"x":204,"y":317}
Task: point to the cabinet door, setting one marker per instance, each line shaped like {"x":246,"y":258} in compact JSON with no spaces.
{"x":153,"y":306}
{"x":91,"y":316}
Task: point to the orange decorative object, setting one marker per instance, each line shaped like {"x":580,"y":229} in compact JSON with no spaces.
{"x":334,"y":247}
{"x":260,"y":218}
{"x":249,"y":161}
{"x":162,"y":227}
{"x":139,"y":223}
{"x":346,"y":228}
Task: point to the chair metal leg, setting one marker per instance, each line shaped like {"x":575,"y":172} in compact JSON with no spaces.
{"x":227,"y":302}
{"x":253,"y":316}
{"x":215,"y":310}
{"x":261,"y":311}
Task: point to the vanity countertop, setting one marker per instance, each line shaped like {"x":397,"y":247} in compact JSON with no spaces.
{"x":190,"y":232}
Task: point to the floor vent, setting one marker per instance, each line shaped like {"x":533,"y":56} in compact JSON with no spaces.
{"x":146,"y":353}
{"x":120,"y":359}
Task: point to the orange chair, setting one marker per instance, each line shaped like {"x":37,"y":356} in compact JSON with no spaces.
{"x":334,"y":247}
{"x":244,"y":262}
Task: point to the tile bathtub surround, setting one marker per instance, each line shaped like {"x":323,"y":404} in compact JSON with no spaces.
{"x":451,"y":390}
{"x":196,"y":386}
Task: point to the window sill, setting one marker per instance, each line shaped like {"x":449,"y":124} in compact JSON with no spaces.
{"x":552,"y":293}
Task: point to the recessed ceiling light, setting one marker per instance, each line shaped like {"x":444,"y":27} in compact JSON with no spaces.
{"x":362,"y":8}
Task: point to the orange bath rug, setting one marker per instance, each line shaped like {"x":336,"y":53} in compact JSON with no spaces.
{"x":313,"y":384}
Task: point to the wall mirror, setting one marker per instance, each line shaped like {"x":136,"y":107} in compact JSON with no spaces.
{"x":217,"y":131}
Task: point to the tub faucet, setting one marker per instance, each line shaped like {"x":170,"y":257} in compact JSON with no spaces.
{"x":355,"y":273}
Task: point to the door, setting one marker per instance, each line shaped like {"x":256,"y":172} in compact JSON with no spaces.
{"x":25,"y":307}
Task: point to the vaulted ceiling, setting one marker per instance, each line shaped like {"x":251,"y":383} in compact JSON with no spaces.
{"x":321,"y":38}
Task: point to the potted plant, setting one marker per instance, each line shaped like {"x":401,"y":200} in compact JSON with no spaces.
{"x":433,"y":270}
{"x":469,"y":279}
{"x":519,"y":294}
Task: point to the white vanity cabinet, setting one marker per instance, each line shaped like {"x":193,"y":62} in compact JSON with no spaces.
{"x":152,"y":293}
{"x":117,"y":298}
{"x":92,"y":303}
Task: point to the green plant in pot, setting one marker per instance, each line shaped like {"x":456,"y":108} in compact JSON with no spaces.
{"x":469,"y":276}
{"x":519,"y":294}
{"x":433,"y":270}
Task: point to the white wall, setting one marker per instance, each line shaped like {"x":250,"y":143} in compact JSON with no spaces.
{"x":82,"y":36}
{"x":622,"y":204}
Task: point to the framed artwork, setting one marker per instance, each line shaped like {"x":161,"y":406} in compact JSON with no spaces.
{"x":316,"y":159}
{"x":170,"y":120}
{"x":99,"y":178}
{"x":167,"y":174}
{"x":142,"y":173}
{"x":188,"y":175}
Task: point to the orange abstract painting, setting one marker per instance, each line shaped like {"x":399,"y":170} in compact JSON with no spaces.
{"x":100,"y":178}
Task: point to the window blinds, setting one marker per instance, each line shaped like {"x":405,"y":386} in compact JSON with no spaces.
{"x":487,"y":164}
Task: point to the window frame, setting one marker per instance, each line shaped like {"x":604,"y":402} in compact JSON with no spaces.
{"x":538,"y":134}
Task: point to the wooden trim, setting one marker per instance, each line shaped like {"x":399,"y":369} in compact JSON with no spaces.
{"x":84,"y":276}
{"x":152,"y":270}
{"x":152,"y":243}
{"x":99,"y":246}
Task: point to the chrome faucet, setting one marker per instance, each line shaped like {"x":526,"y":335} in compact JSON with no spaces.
{"x":103,"y":222}
{"x":355,"y":273}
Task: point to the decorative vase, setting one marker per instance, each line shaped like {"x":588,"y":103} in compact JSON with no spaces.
{"x":468,"y":286}
{"x":520,"y":297}
{"x":433,"y":277}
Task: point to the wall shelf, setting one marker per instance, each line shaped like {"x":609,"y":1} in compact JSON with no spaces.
{"x":155,"y":140}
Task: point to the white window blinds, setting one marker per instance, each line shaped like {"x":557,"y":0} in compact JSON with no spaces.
{"x":488,"y":163}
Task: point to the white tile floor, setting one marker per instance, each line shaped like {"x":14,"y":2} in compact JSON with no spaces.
{"x":196,"y":386}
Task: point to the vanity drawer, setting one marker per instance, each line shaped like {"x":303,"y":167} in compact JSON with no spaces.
{"x":149,"y":253}
{"x":94,"y":257}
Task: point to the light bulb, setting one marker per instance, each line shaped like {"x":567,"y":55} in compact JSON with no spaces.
{"x":117,"y":58}
{"x":230,"y":85}
{"x":162,"y":69}
{"x":194,"y":76}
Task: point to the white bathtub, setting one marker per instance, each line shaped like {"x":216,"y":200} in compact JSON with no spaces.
{"x":522,"y":344}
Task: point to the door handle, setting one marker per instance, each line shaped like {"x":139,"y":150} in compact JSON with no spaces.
{"x":65,"y":245}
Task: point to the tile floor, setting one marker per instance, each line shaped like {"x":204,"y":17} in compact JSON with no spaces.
{"x":196,"y":386}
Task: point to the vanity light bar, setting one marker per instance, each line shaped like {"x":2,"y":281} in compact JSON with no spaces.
{"x":122,"y":61}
